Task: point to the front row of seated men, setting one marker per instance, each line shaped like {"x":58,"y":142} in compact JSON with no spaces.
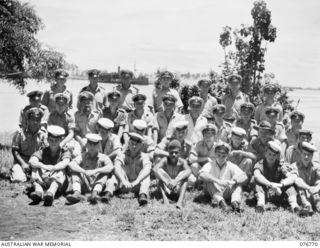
{"x":223,"y":170}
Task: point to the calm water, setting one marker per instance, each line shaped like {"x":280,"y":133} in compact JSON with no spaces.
{"x":11,"y":102}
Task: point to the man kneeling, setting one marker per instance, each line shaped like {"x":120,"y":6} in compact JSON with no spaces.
{"x":173,"y":173}
{"x":223,"y":179}
{"x":90,"y":172}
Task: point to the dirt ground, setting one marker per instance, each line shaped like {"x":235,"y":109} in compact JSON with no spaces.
{"x":122,"y":219}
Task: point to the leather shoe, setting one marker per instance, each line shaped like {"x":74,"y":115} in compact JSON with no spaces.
{"x":143,"y":200}
{"x":48,"y":199}
{"x":36,"y":197}
{"x":74,"y":198}
{"x":106,"y":198}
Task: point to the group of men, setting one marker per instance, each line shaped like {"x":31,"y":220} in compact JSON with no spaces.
{"x":117,"y":141}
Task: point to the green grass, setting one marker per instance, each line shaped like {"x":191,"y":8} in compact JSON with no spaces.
{"x":122,"y":219}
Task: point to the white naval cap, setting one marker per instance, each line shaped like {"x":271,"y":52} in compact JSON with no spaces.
{"x":139,"y":124}
{"x":274,"y":146}
{"x":55,"y":131}
{"x":308,"y":147}
{"x":238,"y":131}
{"x":93,"y":138}
{"x":106,"y":123}
{"x":181,"y":125}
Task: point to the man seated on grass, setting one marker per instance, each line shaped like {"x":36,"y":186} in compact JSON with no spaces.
{"x":239,"y":154}
{"x":308,"y":179}
{"x":25,"y":142}
{"x":202,"y":152}
{"x":223,"y":179}
{"x":110,"y":143}
{"x":48,"y":167}
{"x":180,"y":132}
{"x":270,"y":185}
{"x":173,"y":172}
{"x":90,"y":172}
{"x":132,"y":170}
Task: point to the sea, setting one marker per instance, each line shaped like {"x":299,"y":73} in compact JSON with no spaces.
{"x":12,"y":101}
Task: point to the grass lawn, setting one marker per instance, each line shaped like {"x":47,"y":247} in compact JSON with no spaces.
{"x":122,"y":219}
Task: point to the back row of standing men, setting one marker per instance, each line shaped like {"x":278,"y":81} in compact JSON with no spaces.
{"x":114,"y":140}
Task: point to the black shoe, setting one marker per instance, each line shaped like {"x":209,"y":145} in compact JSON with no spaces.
{"x":106,"y":198}
{"x":93,"y":199}
{"x":306,"y":211}
{"x":259,"y":209}
{"x":236,"y":207}
{"x":74,"y":198}
{"x":224,"y":207}
{"x":296,"y":210}
{"x":143,"y":200}
{"x":36,"y":197}
{"x":48,"y":199}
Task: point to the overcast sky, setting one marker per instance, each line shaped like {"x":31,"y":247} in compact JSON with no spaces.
{"x":178,"y":35}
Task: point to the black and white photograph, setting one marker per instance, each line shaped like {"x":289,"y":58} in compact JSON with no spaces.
{"x":149,"y":120}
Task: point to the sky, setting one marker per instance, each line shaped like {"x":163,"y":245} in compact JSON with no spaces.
{"x":178,"y":35}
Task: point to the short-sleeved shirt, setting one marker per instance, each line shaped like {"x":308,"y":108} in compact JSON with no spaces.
{"x":65,"y":120}
{"x":258,"y":148}
{"x":156,"y":100}
{"x":126,"y":97}
{"x":147,"y":116}
{"x":233,"y":104}
{"x":224,"y":132}
{"x":194,"y":129}
{"x":45,"y":156}
{"x":100,"y":95}
{"x":165,"y":126}
{"x":48,"y":97}
{"x":173,"y":171}
{"x":209,"y":103}
{"x":202,"y":150}
{"x":23,"y":116}
{"x":292,"y":137}
{"x":132,"y":165}
{"x":228,"y":171}
{"x":309,"y":174}
{"x":119,"y":118}
{"x":185,"y":146}
{"x":27,"y":143}
{"x":248,"y":127}
{"x":273,"y":174}
{"x":90,"y":163}
{"x":293,"y":154}
{"x":237,"y":158}
{"x":260,"y":112}
{"x":112,"y":144}
{"x":280,"y":132}
{"x":86,"y":124}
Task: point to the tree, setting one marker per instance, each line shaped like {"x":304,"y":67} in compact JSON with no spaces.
{"x":22,"y":54}
{"x":250,"y":46}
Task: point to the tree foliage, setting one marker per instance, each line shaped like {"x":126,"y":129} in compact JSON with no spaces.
{"x":22,"y":54}
{"x":250,"y":45}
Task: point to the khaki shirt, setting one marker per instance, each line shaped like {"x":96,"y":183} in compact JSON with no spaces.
{"x":88,"y":163}
{"x":237,"y":158}
{"x":112,"y":144}
{"x":132,"y":165}
{"x":209,"y":103}
{"x":310,"y":174}
{"x":233,"y":104}
{"x":260,"y":112}
{"x":119,"y":118}
{"x":194,"y":129}
{"x":292,"y":137}
{"x":86,"y":124}
{"x":100,"y":95}
{"x":156,"y":100}
{"x":165,"y":126}
{"x":224,"y":132}
{"x":147,"y":116}
{"x":257,"y":148}
{"x":27,"y":143}
{"x":126,"y":97}
{"x":202,"y":150}
{"x":65,"y":120}
{"x":293,"y":154}
{"x":23,"y":116}
{"x":48,"y":97}
{"x":280,"y":132}
{"x":249,"y":128}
